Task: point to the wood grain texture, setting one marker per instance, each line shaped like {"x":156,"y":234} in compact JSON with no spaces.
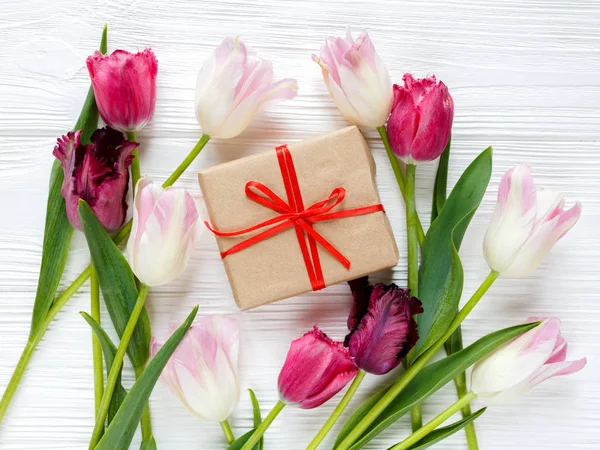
{"x":524,"y":77}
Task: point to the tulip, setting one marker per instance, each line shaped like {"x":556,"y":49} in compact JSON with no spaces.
{"x":232,"y":86}
{"x":517,"y":366}
{"x":203,"y":371}
{"x":96,"y":173}
{"x":526,"y":224}
{"x":384,"y":329}
{"x":163,"y":233}
{"x":315,"y":369}
{"x":124,"y":87}
{"x":420,"y":123}
{"x":357,"y":79}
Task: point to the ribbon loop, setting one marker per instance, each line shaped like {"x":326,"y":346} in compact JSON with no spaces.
{"x":292,"y":214}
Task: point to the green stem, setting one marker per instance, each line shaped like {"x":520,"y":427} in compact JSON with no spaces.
{"x":436,"y":422}
{"x":337,"y":412}
{"x":412,"y":218}
{"x":74,"y":287}
{"x":116,"y":366}
{"x":135,"y":163}
{"x":35,"y":340}
{"x":96,"y":348}
{"x":146,"y":420}
{"x":399,"y":176}
{"x":413,"y":370}
{"x":461,"y":389}
{"x":227,"y":432}
{"x":258,"y":433}
{"x":187,"y":161}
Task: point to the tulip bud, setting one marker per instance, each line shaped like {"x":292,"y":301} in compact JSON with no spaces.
{"x":203,"y":371}
{"x":357,"y":79}
{"x":315,"y":369}
{"x":163,"y":233}
{"x":517,"y":366}
{"x":525,"y":225}
{"x":96,"y":173}
{"x":420,"y":123}
{"x":232,"y":86}
{"x":384,"y":330}
{"x":124,"y":87}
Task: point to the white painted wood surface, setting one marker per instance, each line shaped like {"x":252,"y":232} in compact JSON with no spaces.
{"x":524,"y":75}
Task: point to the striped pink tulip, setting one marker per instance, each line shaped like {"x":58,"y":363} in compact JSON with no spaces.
{"x":203,"y":371}
{"x":316,"y":368}
{"x":526,"y":224}
{"x":233,"y":86}
{"x":517,"y":366}
{"x":356,"y":78}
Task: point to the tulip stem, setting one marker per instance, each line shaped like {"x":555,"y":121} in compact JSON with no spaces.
{"x":63,"y":298}
{"x":96,"y":348}
{"x":337,"y":412}
{"x":396,"y":388}
{"x":399,"y":177}
{"x":434,"y":423}
{"x":227,"y":432}
{"x":146,"y":420}
{"x":461,"y":389}
{"x":260,"y":430}
{"x":187,"y":161}
{"x":136,"y":172}
{"x":116,"y":366}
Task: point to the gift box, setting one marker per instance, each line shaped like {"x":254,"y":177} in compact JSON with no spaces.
{"x":298,"y":218}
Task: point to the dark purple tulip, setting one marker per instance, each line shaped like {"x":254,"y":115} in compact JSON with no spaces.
{"x":382,"y":326}
{"x":97,"y":173}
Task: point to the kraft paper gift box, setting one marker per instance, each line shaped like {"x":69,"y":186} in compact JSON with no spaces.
{"x":346,"y":227}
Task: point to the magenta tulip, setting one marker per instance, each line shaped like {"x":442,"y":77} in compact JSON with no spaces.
{"x":316,"y":368}
{"x":420,"y":123}
{"x":97,"y":173}
{"x":383,"y":329}
{"x":125,"y":87}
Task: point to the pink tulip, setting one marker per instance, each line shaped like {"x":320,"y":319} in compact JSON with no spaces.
{"x":125,"y":87}
{"x":233,"y":86}
{"x":163,"y":234}
{"x":526,"y":224}
{"x":96,"y":173}
{"x":357,"y":79}
{"x":203,"y":371}
{"x":517,"y":366}
{"x":383,"y":330}
{"x":420,"y":124}
{"x":316,"y":368}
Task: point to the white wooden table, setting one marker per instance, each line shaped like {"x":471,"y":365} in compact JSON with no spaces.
{"x":525,"y":78}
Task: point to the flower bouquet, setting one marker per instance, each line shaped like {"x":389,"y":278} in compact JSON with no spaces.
{"x":274,"y":221}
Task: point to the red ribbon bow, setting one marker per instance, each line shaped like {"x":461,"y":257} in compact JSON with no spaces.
{"x":293,"y":214}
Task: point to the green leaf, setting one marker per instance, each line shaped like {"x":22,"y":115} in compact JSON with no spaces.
{"x":58,"y":231}
{"x":442,"y":433}
{"x":120,"y":432}
{"x":239,"y":442}
{"x":257,"y":418}
{"x":432,"y":378}
{"x":441,"y":273}
{"x":108,"y":350}
{"x":149,"y":444}
{"x":117,"y":284}
{"x":440,"y":185}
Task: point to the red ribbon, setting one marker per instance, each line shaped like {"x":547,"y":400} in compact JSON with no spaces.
{"x":293,"y":214}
